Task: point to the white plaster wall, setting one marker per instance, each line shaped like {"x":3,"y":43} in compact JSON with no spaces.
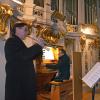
{"x":89,"y":57}
{"x":2,"y":70}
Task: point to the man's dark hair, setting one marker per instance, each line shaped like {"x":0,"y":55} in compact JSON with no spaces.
{"x":63,"y":51}
{"x":17,"y":25}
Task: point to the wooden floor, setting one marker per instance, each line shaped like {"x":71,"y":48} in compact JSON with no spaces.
{"x":88,"y":95}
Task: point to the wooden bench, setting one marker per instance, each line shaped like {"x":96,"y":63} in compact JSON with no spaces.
{"x":59,"y":91}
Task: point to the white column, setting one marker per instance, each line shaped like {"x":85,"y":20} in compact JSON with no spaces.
{"x":77,"y":45}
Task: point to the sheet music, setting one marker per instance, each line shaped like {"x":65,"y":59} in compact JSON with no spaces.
{"x":92,"y":76}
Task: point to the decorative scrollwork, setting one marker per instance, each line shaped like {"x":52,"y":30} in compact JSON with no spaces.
{"x":83,"y":42}
{"x":48,"y":34}
{"x":94,"y":43}
{"x":5,"y":12}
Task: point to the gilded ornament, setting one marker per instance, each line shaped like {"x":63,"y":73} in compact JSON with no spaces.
{"x":5,"y":12}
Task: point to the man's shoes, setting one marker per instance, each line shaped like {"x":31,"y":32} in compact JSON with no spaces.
{"x":58,"y":79}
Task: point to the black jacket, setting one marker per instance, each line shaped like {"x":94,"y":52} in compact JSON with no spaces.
{"x":20,"y":73}
{"x":63,"y":66}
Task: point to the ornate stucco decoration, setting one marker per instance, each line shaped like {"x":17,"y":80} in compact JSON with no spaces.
{"x":57,"y":30}
{"x":83,"y":42}
{"x":48,"y":24}
{"x":89,"y":29}
{"x":51,"y":33}
{"x":95,"y":43}
{"x":71,"y":28}
{"x":5,"y":12}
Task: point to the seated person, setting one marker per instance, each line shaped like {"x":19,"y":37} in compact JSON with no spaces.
{"x":63,"y":67}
